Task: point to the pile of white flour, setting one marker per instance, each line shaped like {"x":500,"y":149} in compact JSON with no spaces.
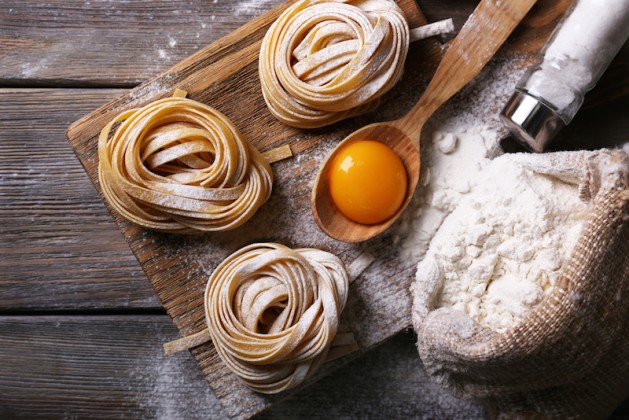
{"x":449,"y":162}
{"x":501,"y":248}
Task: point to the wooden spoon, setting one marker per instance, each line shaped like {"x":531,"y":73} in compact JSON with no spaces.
{"x":479,"y":39}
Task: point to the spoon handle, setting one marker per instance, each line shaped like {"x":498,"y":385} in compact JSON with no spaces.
{"x":484,"y":32}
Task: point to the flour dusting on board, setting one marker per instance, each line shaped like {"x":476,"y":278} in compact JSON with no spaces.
{"x":33,"y":69}
{"x":284,"y":214}
{"x":150,"y":91}
{"x":171,"y":383}
{"x":253,"y":6}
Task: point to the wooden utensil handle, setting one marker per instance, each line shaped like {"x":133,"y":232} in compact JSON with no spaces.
{"x":484,"y":32}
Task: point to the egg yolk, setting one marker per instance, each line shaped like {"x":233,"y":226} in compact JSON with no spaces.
{"x":367,"y":181}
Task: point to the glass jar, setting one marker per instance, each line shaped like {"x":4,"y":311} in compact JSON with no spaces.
{"x":577,"y":53}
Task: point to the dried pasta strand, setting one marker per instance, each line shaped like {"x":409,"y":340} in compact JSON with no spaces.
{"x":441,"y":27}
{"x":338,"y":351}
{"x":360,"y":264}
{"x":277,"y":154}
{"x":187,"y":342}
{"x":177,"y":165}
{"x":180,"y":93}
{"x":273,"y":313}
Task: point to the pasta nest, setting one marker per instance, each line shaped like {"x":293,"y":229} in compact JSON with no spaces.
{"x":177,"y":165}
{"x":324,"y":61}
{"x":272,"y":313}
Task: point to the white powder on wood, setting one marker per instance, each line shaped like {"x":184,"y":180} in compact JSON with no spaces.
{"x":500,"y":251}
{"x":253,"y":6}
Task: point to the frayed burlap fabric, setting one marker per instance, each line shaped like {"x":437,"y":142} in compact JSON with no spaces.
{"x":570,"y":356}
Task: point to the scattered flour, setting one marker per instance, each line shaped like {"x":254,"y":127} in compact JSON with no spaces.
{"x":162,"y":54}
{"x":253,"y":6}
{"x":497,"y":254}
{"x":149,"y":91}
{"x":29,"y":70}
{"x":167,"y":384}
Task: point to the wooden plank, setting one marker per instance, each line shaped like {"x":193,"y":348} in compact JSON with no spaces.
{"x":135,"y":40}
{"x":99,"y":366}
{"x":109,"y":43}
{"x":113,"y":367}
{"x":57,"y":243}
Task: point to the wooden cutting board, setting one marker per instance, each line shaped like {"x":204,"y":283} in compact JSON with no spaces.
{"x":224,"y":76}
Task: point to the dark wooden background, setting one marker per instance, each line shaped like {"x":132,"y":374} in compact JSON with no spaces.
{"x":80,"y":326}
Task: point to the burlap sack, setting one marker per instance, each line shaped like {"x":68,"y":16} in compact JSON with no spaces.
{"x":570,"y":356}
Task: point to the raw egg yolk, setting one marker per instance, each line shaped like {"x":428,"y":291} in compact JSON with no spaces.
{"x":367,"y":181}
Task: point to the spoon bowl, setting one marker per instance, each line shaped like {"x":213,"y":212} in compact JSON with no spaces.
{"x":334,"y":223}
{"x":484,"y":32}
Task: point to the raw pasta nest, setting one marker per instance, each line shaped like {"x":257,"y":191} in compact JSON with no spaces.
{"x":324,"y":61}
{"x":272,"y":313}
{"x":178,"y":165}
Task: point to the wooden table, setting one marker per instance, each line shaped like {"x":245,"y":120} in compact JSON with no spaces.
{"x":81,"y":329}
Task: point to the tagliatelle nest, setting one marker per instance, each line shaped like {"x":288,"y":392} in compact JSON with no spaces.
{"x":178,"y":165}
{"x":324,"y":61}
{"x":273,"y":312}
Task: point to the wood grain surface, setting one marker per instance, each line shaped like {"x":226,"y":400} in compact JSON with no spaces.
{"x":60,"y":252}
{"x":55,"y":229}
{"x":124,"y":43}
{"x":132,"y":378}
{"x":110,"y":43}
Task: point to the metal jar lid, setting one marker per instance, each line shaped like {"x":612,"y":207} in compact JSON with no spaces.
{"x":530,"y":121}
